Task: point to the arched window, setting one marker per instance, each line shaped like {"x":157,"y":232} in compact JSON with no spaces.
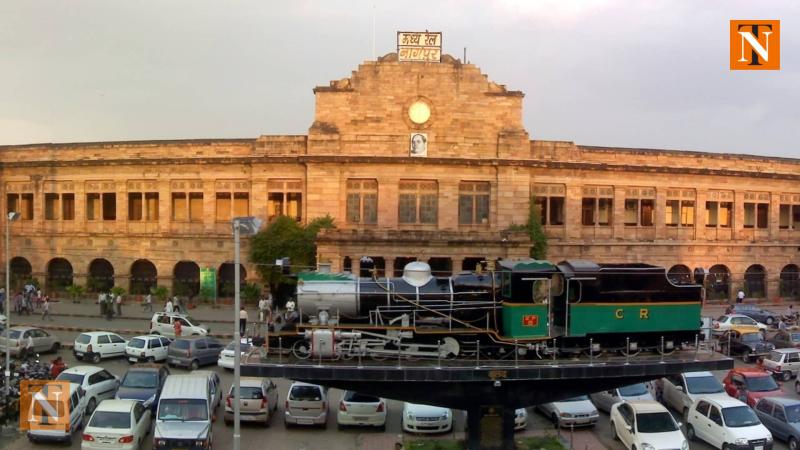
{"x":755,"y":281}
{"x":186,"y":279}
{"x":143,"y":277}
{"x":21,"y":271}
{"x":59,"y":274}
{"x":227,"y":277}
{"x":718,"y":282}
{"x":680,"y":274}
{"x":101,"y":276}
{"x":790,"y":281}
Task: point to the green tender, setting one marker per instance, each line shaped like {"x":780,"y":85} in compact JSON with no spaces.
{"x":514,"y":318}
{"x":589,"y":318}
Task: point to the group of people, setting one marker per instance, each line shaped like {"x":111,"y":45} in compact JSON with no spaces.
{"x":30,"y":299}
{"x":266,"y":316}
{"x":107,"y":302}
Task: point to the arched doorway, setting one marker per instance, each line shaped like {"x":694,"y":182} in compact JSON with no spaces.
{"x":718,"y":282}
{"x":790,"y":281}
{"x":755,"y":281}
{"x":680,"y":274}
{"x":59,"y":274}
{"x":226,"y":278}
{"x":186,"y":279}
{"x":143,"y":277}
{"x":101,"y":276}
{"x":21,"y":272}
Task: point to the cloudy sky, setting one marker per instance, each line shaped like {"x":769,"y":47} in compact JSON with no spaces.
{"x":598,"y":72}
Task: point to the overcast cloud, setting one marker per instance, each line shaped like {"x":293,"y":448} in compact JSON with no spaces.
{"x":619,"y":73}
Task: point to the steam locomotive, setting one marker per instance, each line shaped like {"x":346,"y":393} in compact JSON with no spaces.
{"x":531,"y":307}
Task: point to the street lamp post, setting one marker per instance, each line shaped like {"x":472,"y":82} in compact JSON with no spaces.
{"x":12,"y":216}
{"x":248,"y":226}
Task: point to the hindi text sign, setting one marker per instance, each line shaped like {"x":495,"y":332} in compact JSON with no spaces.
{"x":419,"y":46}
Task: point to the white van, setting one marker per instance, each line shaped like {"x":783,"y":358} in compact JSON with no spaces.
{"x":185,"y":412}
{"x":77,"y":408}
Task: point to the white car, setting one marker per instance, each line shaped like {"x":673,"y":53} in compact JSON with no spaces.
{"x":147,"y":349}
{"x":728,"y":321}
{"x":646,"y":424}
{"x":164,"y":324}
{"x":77,"y":408}
{"x":118,"y":424}
{"x":2,"y":320}
{"x":306,"y":404}
{"x":726,"y":423}
{"x":96,"y":345}
{"x":356,"y":409}
{"x":604,"y":400}
{"x":226,"y":356}
{"x":680,"y":391}
{"x":418,"y":418}
{"x":98,"y":384}
{"x":572,"y":412}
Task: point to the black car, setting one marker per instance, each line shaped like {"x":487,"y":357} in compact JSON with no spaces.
{"x":143,"y":382}
{"x":758,"y":314}
{"x":749,"y":345}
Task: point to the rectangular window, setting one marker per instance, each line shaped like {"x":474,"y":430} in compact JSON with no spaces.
{"x":672,"y":212}
{"x":785,"y":217}
{"x":597,"y":206}
{"x":68,"y":206}
{"x":725,"y":214}
{"x":135,"y":206}
{"x":762,"y":215}
{"x":224,"y":206}
{"x":151,"y":206}
{"x":12,"y":203}
{"x":639,"y":206}
{"x":179,"y":210}
{"x":749,"y":215}
{"x":195,"y":207}
{"x":687,"y":213}
{"x":241,"y":204}
{"x":679,"y":208}
{"x":51,"y":207}
{"x":796,"y":217}
{"x":26,"y":206}
{"x":473,"y":203}
{"x":109,"y":206}
{"x":712,"y":214}
{"x":285,"y":198}
{"x":362,"y":201}
{"x":556,"y":210}
{"x":232,"y":204}
{"x":418,"y":202}
{"x":93,"y":206}
{"x":648,"y":207}
{"x":588,"y":211}
{"x":631,"y":211}
{"x":548,"y":199}
{"x":604,"y":211}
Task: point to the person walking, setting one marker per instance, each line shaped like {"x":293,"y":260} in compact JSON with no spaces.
{"x":178,"y":327}
{"x":46,"y":308}
{"x":169,"y":307}
{"x":29,"y":349}
{"x":177,"y":301}
{"x":118,"y":301}
{"x":242,"y":321}
{"x":262,"y":310}
{"x":148,"y":303}
{"x":109,"y":306}
{"x":740,"y":297}
{"x":101,"y":300}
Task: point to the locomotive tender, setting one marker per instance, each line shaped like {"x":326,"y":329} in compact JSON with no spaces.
{"x":534,"y":307}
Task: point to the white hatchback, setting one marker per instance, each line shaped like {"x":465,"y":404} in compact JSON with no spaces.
{"x":164,"y":324}
{"x":77,"y":407}
{"x":356,"y":409}
{"x":726,"y":422}
{"x":646,"y":424}
{"x":147,"y":349}
{"x":97,"y":383}
{"x":226,"y":360}
{"x":418,"y":418}
{"x":118,"y":424}
{"x":96,"y":345}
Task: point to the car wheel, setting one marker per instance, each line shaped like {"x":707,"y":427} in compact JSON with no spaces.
{"x":614,"y":431}
{"x":746,"y":357}
{"x":793,"y":444}
{"x":685,"y":414}
{"x":787,"y":376}
{"x":554,"y":419}
{"x":68,"y":441}
{"x":690,"y":433}
{"x":91,"y":406}
{"x":55,"y":347}
{"x":770,"y":320}
{"x":151,"y":359}
{"x":195,"y":364}
{"x":96,"y":358}
{"x":725,"y":447}
{"x":382,"y":428}
{"x":228,"y":422}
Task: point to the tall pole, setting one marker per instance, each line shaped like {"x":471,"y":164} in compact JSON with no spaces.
{"x":8,"y":310}
{"x":237,"y":339}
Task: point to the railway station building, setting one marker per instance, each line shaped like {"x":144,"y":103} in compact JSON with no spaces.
{"x":424,"y":161}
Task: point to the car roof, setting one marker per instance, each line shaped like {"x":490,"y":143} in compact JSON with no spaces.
{"x":737,"y":315}
{"x":787,"y":350}
{"x":698,"y":374}
{"x":116,"y":405}
{"x":83,"y":370}
{"x":98,"y":333}
{"x":251,"y":381}
{"x":23,"y":328}
{"x":786,"y":401}
{"x":146,"y":366}
{"x":301,"y":383}
{"x":185,"y":386}
{"x":749,"y":371}
{"x":646,"y":406}
{"x":722,"y":401}
{"x":147,"y":336}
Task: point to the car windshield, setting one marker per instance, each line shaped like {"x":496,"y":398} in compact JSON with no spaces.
{"x":660,"y":422}
{"x":249,"y":393}
{"x":739,"y":416}
{"x":71,"y":377}
{"x":752,"y":338}
{"x":762,"y":384}
{"x":722,"y":318}
{"x":703,"y":385}
{"x":355,"y":397}
{"x":744,"y":307}
{"x":14,"y":334}
{"x":575,"y":399}
{"x":775,"y":356}
{"x":795,"y":337}
{"x":83,"y":339}
{"x":305,"y":393}
{"x":140,"y":379}
{"x":109,"y":419}
{"x":792,"y":413}
{"x":137,"y":343}
{"x":182,"y":410}
{"x":633,"y":390}
{"x":242,"y":347}
{"x":180,"y":344}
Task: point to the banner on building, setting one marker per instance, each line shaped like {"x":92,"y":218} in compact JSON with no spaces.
{"x":419,"y":46}
{"x":208,"y":284}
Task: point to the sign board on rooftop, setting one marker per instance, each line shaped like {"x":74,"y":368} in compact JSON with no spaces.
{"x":422,"y":46}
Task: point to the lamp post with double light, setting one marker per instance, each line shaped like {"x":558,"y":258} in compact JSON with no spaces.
{"x":12,"y":216}
{"x":247,"y":226}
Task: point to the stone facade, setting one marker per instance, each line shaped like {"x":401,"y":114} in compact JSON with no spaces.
{"x":144,"y":207}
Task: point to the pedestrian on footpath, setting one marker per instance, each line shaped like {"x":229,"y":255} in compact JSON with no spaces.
{"x":168,"y":308}
{"x":109,"y":306}
{"x":101,"y":300}
{"x":177,"y":303}
{"x":242,"y":321}
{"x":119,"y":305}
{"x":148,"y":302}
{"x":740,"y":297}
{"x":46,"y":308}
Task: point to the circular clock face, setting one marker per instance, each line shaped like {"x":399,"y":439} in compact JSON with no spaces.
{"x":419,"y":112}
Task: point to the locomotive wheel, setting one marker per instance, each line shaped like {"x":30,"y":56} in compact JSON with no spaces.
{"x":301,"y":349}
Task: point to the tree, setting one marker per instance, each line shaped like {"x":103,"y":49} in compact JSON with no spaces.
{"x":160,"y":292}
{"x":536,"y":233}
{"x":75,"y":291}
{"x":251,"y":292}
{"x":285,"y":238}
{"x":116,"y":290}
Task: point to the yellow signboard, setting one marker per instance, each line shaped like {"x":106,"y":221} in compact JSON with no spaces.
{"x":419,"y":46}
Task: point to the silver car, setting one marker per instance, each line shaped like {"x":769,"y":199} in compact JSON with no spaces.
{"x":572,"y":412}
{"x":604,"y":400}
{"x":781,"y":416}
{"x":42,"y":341}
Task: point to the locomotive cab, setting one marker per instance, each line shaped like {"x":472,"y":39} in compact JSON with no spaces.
{"x":530,"y":291}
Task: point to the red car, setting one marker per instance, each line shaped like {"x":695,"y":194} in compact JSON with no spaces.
{"x":749,"y":384}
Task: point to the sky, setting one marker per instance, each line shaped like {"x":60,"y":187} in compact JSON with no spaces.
{"x":647,"y":74}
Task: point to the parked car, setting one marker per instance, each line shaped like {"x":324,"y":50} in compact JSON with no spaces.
{"x":77,"y":409}
{"x":726,"y":423}
{"x":735,"y":321}
{"x":193,"y":352}
{"x":226,"y":356}
{"x":783,"y":363}
{"x":604,"y":400}
{"x":646,"y":424}
{"x":786,"y":339}
{"x":747,"y":344}
{"x":306,"y":404}
{"x":576,"y":412}
{"x":749,"y":384}
{"x":356,"y":409}
{"x":118,"y":424}
{"x":418,"y":418}
{"x":2,"y":321}
{"x":184,"y":414}
{"x":18,"y":336}
{"x":164,"y":324}
{"x":215,"y":385}
{"x":781,"y":416}
{"x":143,"y":383}
{"x":757,"y":313}
{"x":520,"y":419}
{"x":258,"y":401}
{"x":680,"y":391}
{"x":147,"y":349}
{"x":96,"y":345}
{"x":97,"y":383}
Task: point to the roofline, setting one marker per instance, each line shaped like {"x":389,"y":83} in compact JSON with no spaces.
{"x":132,"y":142}
{"x":681,"y":152}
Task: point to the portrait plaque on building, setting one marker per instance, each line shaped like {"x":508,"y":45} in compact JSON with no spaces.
{"x":418,"y":145}
{"x":419,"y":46}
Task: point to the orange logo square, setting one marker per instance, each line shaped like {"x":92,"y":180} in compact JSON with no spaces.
{"x":755,"y":44}
{"x":44,"y":405}
{"x":530,"y":320}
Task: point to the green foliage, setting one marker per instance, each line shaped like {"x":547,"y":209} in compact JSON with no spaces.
{"x":75,"y":291}
{"x":251,"y":292}
{"x":540,"y":442}
{"x":161,"y":293}
{"x":286,"y":238}
{"x":207,"y":293}
{"x":116,"y":290}
{"x":536,"y":232}
{"x":433,"y":444}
